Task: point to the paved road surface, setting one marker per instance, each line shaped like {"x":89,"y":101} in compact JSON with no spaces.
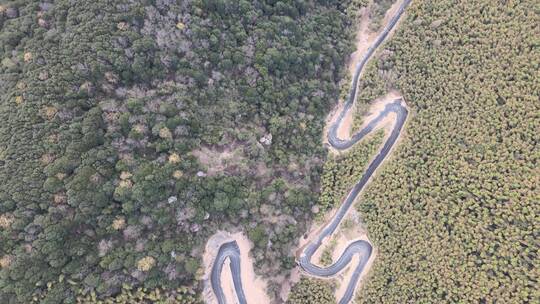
{"x":362,"y":248}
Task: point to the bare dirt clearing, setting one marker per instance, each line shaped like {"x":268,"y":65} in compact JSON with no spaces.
{"x":216,"y":161}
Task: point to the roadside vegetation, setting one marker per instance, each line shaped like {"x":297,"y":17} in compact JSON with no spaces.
{"x":309,"y":291}
{"x":342,"y":171}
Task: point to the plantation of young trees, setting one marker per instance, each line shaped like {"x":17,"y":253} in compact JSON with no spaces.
{"x":309,"y":291}
{"x":455,"y":212}
{"x":341,"y":172}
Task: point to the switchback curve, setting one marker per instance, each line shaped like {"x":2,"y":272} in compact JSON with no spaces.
{"x":362,"y":248}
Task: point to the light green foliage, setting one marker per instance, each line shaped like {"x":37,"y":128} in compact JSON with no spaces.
{"x":310,"y":291}
{"x":129,"y":295}
{"x":455,"y":213}
{"x":341,"y":172}
{"x":326,"y":256}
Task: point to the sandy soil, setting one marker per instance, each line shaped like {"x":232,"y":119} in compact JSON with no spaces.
{"x":364,"y":38}
{"x":254,"y":286}
{"x":288,"y":283}
{"x":228,"y":286}
{"x":216,"y":161}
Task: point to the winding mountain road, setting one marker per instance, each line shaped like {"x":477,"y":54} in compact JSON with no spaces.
{"x":362,"y":248}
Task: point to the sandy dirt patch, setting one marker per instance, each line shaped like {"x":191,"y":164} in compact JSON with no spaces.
{"x":294,"y":278}
{"x":364,"y":38}
{"x":254,"y":286}
{"x":228,"y":286}
{"x":219,"y":161}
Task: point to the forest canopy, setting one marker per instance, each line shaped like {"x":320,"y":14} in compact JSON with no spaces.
{"x":133,"y":130}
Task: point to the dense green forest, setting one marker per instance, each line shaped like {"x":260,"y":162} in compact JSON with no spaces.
{"x":134,"y":130}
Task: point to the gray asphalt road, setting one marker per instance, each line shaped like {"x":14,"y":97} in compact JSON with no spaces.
{"x":229,"y":251}
{"x":362,"y":248}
